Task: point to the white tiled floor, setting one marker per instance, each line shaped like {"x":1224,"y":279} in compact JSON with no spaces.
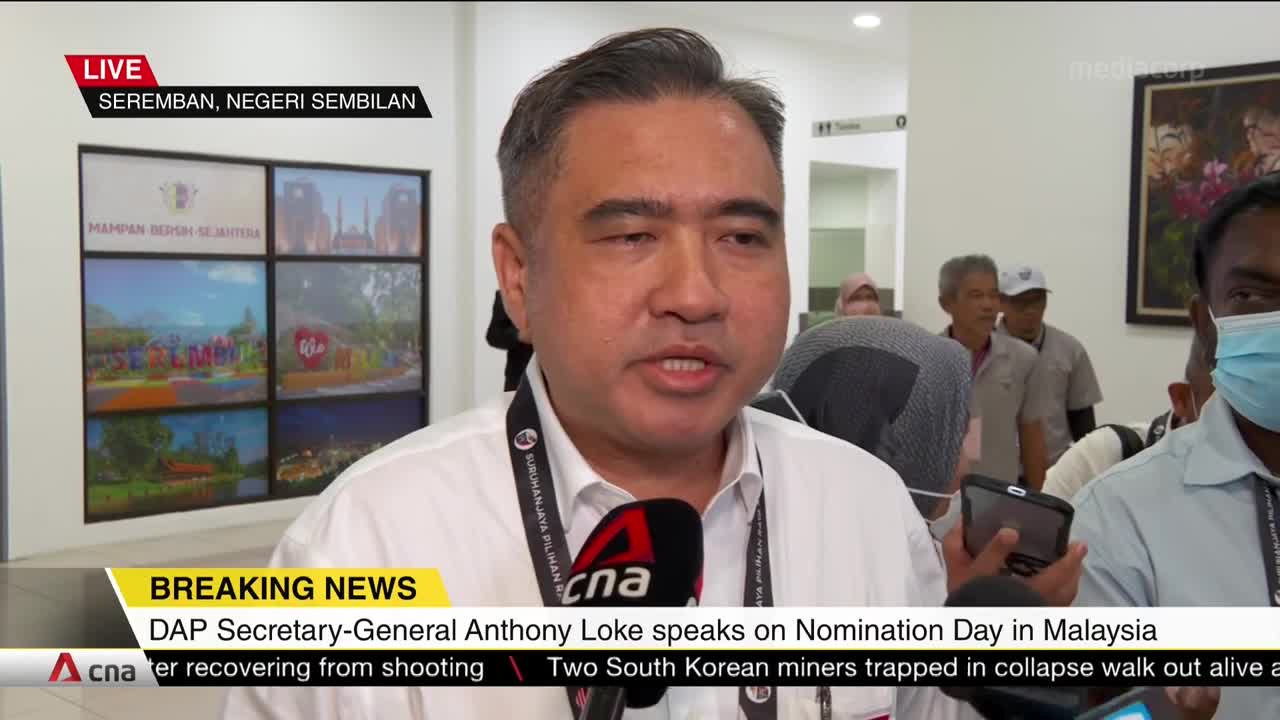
{"x":246,"y":546}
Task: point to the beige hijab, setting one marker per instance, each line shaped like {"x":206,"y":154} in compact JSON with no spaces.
{"x":853,"y":284}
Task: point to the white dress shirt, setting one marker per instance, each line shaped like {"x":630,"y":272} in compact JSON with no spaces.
{"x":842,"y":532}
{"x":1085,"y":460}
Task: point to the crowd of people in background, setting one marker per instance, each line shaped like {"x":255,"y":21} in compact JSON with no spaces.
{"x":1000,"y":392}
{"x":657,"y":301}
{"x":1167,"y":510}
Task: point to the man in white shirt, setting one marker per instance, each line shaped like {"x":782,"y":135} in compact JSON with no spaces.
{"x":1109,"y":445}
{"x":644,"y":259}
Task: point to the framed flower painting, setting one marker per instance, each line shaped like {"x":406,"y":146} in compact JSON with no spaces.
{"x":1196,"y":136}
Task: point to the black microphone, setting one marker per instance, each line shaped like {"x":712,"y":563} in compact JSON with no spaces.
{"x":642,"y":554}
{"x":1150,"y":703}
{"x":1011,"y":703}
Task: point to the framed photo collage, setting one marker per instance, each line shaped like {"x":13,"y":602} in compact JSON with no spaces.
{"x":251,"y":328}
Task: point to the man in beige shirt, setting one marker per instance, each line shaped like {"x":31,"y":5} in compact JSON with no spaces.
{"x":1072,"y":383}
{"x":1010,"y":390}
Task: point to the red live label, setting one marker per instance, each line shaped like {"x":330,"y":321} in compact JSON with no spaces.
{"x":111,"y":71}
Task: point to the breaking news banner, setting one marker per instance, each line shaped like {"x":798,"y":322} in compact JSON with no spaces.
{"x":368,"y":627}
{"x":124,"y":86}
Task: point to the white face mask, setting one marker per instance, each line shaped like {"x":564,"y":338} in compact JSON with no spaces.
{"x":942,"y":525}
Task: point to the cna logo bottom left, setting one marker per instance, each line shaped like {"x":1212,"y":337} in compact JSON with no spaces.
{"x":65,"y":671}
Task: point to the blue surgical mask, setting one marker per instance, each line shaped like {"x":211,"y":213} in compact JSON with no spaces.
{"x":939,"y":527}
{"x":1248,"y":368}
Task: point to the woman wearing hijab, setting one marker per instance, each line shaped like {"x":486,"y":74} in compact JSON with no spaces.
{"x":858,"y":296}
{"x":903,"y":394}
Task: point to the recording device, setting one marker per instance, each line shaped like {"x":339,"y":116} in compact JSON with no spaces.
{"x":642,"y":554}
{"x":1012,"y":703}
{"x":1142,"y":703}
{"x":1043,"y":703}
{"x":778,"y":403}
{"x":1043,"y":522}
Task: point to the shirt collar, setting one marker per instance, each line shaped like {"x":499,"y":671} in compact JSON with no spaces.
{"x":1218,"y":453}
{"x":989,"y":347}
{"x":742,"y":471}
{"x":1038,"y":344}
{"x":572,"y":475}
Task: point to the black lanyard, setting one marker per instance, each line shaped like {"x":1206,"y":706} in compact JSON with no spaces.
{"x":1269,"y":534}
{"x":550,"y":552}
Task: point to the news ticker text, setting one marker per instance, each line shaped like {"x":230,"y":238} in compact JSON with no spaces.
{"x":259,"y":102}
{"x":1074,"y":668}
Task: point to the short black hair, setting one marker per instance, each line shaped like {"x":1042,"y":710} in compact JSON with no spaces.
{"x":639,"y":66}
{"x":1261,"y":194}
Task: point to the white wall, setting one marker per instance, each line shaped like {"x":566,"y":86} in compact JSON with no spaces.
{"x":853,"y":86}
{"x":44,"y":120}
{"x":837,"y":202}
{"x":882,"y":226}
{"x":1012,"y":155}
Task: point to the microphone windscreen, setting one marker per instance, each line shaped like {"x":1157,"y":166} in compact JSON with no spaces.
{"x":642,"y":554}
{"x":994,"y":591}
{"x":1010,"y":703}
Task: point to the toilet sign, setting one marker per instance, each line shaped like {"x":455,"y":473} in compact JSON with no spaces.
{"x":858,"y":126}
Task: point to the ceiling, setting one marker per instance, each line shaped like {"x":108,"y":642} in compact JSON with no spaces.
{"x":829,"y":23}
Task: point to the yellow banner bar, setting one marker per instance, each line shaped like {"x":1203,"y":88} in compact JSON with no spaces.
{"x":287,"y":587}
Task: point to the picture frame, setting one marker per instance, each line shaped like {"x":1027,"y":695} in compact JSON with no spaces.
{"x":170,"y":203}
{"x":164,"y":334}
{"x":153,"y":463}
{"x":157,"y":487}
{"x":318,"y":440}
{"x":1197,"y":134}
{"x":347,"y":212}
{"x":325,"y":347}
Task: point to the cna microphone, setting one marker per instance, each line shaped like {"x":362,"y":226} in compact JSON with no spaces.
{"x":1141,"y":703}
{"x":642,"y":554}
{"x":1012,"y":703}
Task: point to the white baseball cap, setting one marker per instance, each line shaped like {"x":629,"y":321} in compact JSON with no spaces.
{"x":1017,"y":279}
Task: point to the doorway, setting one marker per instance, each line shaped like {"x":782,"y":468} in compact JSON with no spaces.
{"x":853,"y":216}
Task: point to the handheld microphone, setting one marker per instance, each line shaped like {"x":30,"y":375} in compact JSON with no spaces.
{"x":1140,"y":703}
{"x":1011,"y":703}
{"x":642,"y":554}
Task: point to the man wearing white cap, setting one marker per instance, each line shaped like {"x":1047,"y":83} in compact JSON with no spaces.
{"x":1065,"y":364}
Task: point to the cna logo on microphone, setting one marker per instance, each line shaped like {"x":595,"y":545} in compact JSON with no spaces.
{"x":526,"y":439}
{"x":612,"y":562}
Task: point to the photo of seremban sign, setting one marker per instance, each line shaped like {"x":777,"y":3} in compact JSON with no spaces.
{"x":134,"y":203}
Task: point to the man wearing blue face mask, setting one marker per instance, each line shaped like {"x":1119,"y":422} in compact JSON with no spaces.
{"x":1190,"y":521}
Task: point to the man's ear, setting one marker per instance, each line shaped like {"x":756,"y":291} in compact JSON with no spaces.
{"x":511,"y":264}
{"x":1206,"y":331}
{"x":944,"y":304}
{"x":1180,"y":401}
